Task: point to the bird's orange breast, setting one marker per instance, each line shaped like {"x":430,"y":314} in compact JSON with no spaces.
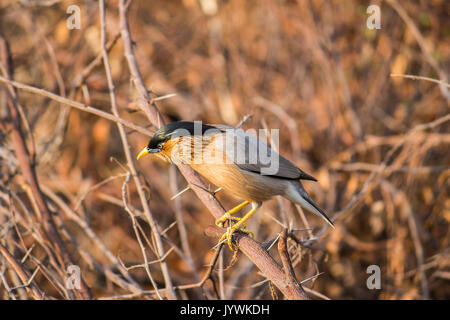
{"x":240,"y":183}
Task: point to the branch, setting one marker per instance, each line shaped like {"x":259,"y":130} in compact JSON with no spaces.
{"x":290,"y":279}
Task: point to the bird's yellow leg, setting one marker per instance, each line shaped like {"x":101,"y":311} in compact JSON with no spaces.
{"x":237,"y":226}
{"x":227,"y":215}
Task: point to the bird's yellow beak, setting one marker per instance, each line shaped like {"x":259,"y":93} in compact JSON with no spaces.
{"x":143,"y":153}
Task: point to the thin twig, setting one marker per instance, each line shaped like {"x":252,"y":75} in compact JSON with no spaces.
{"x":77,"y":105}
{"x":414,"y":77}
{"x":138,"y":237}
{"x":421,"y":42}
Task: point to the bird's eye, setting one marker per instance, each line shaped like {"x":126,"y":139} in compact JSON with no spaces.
{"x":160,"y":145}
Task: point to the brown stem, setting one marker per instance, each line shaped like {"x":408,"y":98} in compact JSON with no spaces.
{"x":295,"y":288}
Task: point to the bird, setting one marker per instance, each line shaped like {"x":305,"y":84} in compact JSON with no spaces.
{"x":237,"y":162}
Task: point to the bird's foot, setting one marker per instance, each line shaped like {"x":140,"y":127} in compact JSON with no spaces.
{"x":220,"y":222}
{"x":240,"y":223}
{"x":228,"y":235}
{"x":228,"y":214}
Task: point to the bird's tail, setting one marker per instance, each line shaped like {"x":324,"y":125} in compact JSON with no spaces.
{"x":297,"y":194}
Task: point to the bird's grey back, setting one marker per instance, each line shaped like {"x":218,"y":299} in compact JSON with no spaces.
{"x":251,"y":154}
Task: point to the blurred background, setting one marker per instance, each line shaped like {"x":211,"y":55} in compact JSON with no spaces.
{"x":309,"y":68}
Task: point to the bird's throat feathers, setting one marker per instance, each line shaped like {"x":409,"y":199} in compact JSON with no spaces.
{"x":187,"y":150}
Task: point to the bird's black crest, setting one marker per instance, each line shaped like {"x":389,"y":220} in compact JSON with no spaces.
{"x":180,"y":129}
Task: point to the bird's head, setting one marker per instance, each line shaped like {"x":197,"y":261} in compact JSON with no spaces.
{"x":166,"y":137}
{"x":158,"y":141}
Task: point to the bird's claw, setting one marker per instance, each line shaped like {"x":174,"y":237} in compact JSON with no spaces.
{"x":228,"y":235}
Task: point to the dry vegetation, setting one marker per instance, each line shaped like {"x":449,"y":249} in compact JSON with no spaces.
{"x":379,"y":146}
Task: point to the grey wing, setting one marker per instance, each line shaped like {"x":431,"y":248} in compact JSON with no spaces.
{"x":286,"y":169}
{"x":251,"y":154}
